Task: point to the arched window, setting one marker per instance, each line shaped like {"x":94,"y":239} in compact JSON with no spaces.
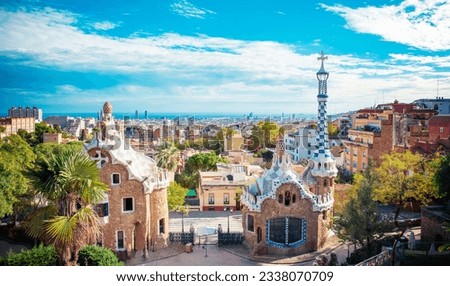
{"x":294,"y":197}
{"x":286,"y":232}
{"x":258,"y":235}
{"x":287,"y":198}
{"x":280,"y":198}
{"x":324,"y":182}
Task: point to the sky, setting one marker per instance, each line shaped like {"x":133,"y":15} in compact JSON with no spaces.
{"x":217,"y":56}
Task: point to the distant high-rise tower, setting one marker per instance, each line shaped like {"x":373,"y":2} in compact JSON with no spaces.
{"x":146,"y":115}
{"x":136,"y":114}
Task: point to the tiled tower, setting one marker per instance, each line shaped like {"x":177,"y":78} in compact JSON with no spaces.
{"x":284,"y":213}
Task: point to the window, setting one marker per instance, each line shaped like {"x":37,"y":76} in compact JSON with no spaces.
{"x":226,"y":199}
{"x":280,"y":198}
{"x":441,"y":129}
{"x":354,"y":164}
{"x":250,"y":223}
{"x":364,"y":154}
{"x":294,"y":198}
{"x":211,"y":198}
{"x":127,"y":205}
{"x":115,"y":179}
{"x":259,"y":235}
{"x":364,"y":165}
{"x":120,"y":240}
{"x":102,"y":209}
{"x":287,"y":198}
{"x":161,"y":226}
{"x":286,"y":231}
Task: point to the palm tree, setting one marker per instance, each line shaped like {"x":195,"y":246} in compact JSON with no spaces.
{"x":70,"y":183}
{"x":169,"y":157}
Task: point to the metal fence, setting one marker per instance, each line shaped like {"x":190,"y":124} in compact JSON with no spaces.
{"x":230,"y":238}
{"x":181,"y":237}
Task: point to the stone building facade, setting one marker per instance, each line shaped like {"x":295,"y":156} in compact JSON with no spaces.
{"x":288,"y":213}
{"x":134,"y":212}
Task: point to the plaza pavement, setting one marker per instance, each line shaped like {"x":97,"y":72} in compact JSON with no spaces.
{"x":213,"y":255}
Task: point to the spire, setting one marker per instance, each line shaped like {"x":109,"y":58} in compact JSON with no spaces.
{"x":322,"y":156}
{"x":281,"y":148}
{"x":322,"y":76}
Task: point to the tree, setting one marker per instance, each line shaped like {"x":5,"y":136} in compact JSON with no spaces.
{"x":332,"y":130}
{"x":264,"y":135}
{"x":189,"y":178}
{"x":169,"y":157}
{"x":2,"y":130}
{"x":175,"y":195}
{"x":70,"y":182}
{"x":203,"y":162}
{"x":406,"y":177}
{"x":15,"y":157}
{"x":360,"y":221}
{"x":442,"y":177}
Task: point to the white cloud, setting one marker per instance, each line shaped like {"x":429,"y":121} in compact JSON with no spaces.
{"x":104,"y":26}
{"x":186,"y":9}
{"x":417,"y":23}
{"x":188,"y":71}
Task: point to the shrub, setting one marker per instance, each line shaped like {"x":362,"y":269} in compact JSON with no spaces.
{"x":93,"y":255}
{"x":37,"y":256}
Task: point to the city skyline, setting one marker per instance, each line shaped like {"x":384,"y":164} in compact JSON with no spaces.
{"x":202,"y":56}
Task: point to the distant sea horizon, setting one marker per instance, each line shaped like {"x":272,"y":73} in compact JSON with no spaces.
{"x":172,"y":115}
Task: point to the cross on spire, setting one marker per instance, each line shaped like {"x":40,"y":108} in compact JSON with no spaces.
{"x":322,"y":57}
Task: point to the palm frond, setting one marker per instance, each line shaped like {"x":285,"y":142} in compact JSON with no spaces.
{"x":60,"y":229}
{"x":34,"y":225}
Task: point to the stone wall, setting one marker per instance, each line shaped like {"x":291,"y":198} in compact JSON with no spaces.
{"x":431,"y":224}
{"x":159,"y":214}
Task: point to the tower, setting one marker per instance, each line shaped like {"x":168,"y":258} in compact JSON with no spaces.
{"x":284,"y":213}
{"x":324,"y":164}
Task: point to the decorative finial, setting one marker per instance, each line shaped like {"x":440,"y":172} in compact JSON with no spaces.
{"x":322,"y":57}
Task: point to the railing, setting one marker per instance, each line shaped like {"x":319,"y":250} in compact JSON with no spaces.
{"x":181,"y":237}
{"x":230,"y":238}
{"x":384,"y":258}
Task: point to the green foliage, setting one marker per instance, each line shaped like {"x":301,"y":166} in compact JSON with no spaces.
{"x":70,"y":182}
{"x":203,"y":162}
{"x":442,"y":176}
{"x":189,"y":181}
{"x":36,"y":137}
{"x":47,"y":150}
{"x":175,"y":195}
{"x":169,"y":157}
{"x":360,"y":221}
{"x":264,"y":135}
{"x":15,"y":156}
{"x":332,"y":130}
{"x":93,"y":255}
{"x":37,"y":256}
{"x":406,"y":177}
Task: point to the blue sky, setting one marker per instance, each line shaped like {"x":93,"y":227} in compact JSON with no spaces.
{"x":233,"y":56}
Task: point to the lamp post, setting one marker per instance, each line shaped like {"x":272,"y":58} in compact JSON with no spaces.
{"x":228,"y":211}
